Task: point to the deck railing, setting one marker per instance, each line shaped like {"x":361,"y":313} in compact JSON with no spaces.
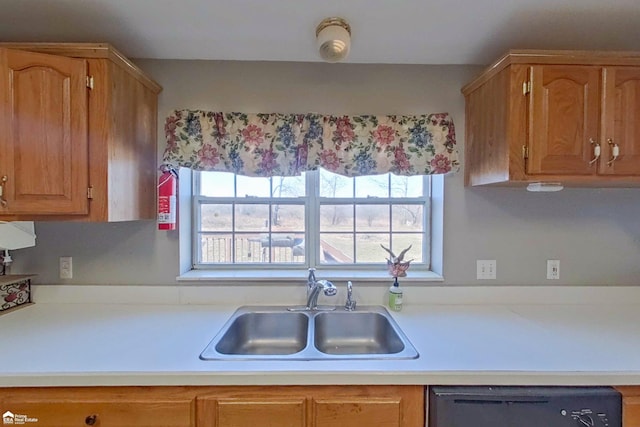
{"x":259,"y":249}
{"x":254,"y":249}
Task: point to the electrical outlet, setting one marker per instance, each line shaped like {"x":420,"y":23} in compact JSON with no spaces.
{"x":486,"y":269}
{"x":553,"y":269}
{"x":66,"y":267}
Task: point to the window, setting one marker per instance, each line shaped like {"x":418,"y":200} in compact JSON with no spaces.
{"x":318,"y":219}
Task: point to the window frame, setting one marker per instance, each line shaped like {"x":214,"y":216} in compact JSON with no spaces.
{"x":431,"y":270}
{"x":314,"y":215}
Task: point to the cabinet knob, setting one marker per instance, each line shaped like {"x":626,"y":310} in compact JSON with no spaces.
{"x":91,"y":420}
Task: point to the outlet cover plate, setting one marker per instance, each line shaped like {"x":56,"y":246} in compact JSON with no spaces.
{"x":66,"y":267}
{"x":553,"y":269}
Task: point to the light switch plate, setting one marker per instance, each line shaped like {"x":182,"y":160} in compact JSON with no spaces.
{"x":486,"y":269}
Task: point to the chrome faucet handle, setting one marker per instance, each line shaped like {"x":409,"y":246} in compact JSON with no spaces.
{"x":350,"y":304}
{"x":314,"y":287}
{"x":311,"y":279}
{"x":323,"y":286}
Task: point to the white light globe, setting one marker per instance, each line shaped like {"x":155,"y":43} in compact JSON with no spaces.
{"x":333,"y":43}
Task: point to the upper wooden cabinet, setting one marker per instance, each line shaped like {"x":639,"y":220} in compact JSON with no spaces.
{"x":542,"y":116}
{"x":77,"y":134}
{"x":44,"y":159}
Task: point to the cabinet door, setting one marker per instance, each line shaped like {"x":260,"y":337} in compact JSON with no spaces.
{"x":70,"y":413}
{"x":621,"y":121}
{"x":43,"y":133}
{"x":564,"y":118}
{"x":251,"y":412}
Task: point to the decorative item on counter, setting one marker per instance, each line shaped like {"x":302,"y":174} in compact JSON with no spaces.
{"x":397,"y":267}
{"x":15,"y":291}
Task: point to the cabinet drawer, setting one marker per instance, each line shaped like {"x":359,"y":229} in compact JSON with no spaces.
{"x":69,"y":413}
{"x":260,"y":412}
{"x":361,"y":411}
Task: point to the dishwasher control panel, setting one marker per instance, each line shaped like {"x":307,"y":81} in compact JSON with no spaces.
{"x":587,"y":418}
{"x":517,"y":406}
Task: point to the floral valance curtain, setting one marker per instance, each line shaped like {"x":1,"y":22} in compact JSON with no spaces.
{"x":289,"y":144}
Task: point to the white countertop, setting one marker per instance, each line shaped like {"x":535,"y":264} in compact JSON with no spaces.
{"x":55,"y":344}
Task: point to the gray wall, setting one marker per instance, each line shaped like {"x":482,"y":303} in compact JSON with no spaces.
{"x":594,"y":232}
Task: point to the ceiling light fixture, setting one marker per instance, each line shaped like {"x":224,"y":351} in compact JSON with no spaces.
{"x":333,"y":38}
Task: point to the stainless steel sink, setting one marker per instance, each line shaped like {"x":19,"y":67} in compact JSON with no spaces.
{"x":273,"y":333}
{"x":356,"y":333}
{"x":264,"y":333}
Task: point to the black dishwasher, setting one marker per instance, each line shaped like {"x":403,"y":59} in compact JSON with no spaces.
{"x":509,"y":406}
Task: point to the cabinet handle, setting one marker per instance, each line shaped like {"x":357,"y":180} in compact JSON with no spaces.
{"x":91,"y":420}
{"x":615,"y":151}
{"x":3,"y":180}
{"x":596,"y":151}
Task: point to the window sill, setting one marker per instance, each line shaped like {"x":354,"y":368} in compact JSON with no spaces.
{"x":295,"y":276}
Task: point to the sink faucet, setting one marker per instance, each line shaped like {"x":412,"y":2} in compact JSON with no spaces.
{"x":311,"y":280}
{"x":320,"y":285}
{"x":350,"y":304}
{"x":314,"y":287}
{"x":313,"y":291}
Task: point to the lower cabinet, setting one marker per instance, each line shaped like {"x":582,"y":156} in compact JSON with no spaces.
{"x":313,"y":406}
{"x":98,"y":406}
{"x":251,"y":406}
{"x":630,"y":406}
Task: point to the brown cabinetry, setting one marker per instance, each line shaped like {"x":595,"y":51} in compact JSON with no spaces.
{"x":251,"y":406}
{"x":266,"y":409}
{"x":313,"y":406}
{"x":630,"y":406}
{"x":77,"y":134}
{"x":100,"y":407}
{"x":44,"y":159}
{"x":541,"y":116}
{"x":359,"y":411}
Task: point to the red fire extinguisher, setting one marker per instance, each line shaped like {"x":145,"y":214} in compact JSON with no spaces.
{"x":167,"y":192}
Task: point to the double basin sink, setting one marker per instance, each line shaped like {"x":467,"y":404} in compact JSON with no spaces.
{"x":275,"y":333}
